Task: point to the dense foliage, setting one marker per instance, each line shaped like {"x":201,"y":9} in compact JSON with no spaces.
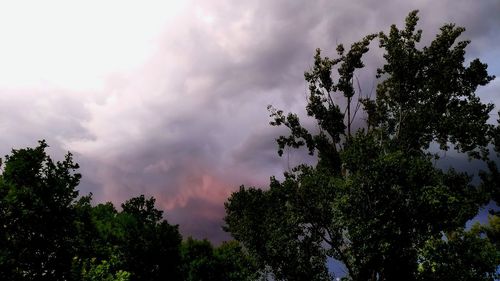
{"x":48,"y":233}
{"x":375,"y":200}
{"x":37,"y":216}
{"x":201,"y":261}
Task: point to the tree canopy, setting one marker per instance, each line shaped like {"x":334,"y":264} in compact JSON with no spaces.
{"x":375,"y":200}
{"x":37,"y":215}
{"x":47,"y":232}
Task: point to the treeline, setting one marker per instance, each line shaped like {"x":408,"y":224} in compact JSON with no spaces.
{"x":49,"y":232}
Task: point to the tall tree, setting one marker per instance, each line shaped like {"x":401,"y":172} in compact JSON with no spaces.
{"x":136,"y":241}
{"x":375,"y":198}
{"x":149,"y":244}
{"x":37,"y":215}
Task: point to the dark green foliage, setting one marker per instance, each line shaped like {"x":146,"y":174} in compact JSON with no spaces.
{"x":103,"y":271}
{"x":136,"y":240}
{"x":375,"y":200}
{"x":228,"y":262}
{"x":148,"y":244}
{"x":491,"y":178}
{"x":492,"y":230}
{"x":37,"y":216}
{"x":198,"y":260}
{"x":47,"y":234}
{"x":234,"y":262}
{"x":464,"y":255}
{"x":271,"y":228}
{"x":429,"y":95}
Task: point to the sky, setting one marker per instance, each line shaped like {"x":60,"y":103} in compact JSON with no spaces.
{"x":169,"y":98}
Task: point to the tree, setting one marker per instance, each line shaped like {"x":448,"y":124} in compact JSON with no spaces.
{"x":103,"y":271}
{"x":135,"y":243}
{"x":375,"y":198}
{"x":98,"y":238}
{"x":148,"y":244}
{"x":37,"y":215}
{"x":235,"y":263}
{"x":48,"y":233}
{"x":198,"y":260}
{"x":463,"y":255}
{"x":491,"y":178}
{"x":269,"y":226}
{"x":228,"y":262}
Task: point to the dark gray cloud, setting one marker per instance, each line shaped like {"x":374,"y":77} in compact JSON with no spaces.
{"x":190,"y":124}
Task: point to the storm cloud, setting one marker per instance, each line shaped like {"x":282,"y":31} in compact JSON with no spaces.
{"x":170,"y":100}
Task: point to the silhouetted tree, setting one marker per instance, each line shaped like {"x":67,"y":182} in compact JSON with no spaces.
{"x":149,"y":245}
{"x":375,"y":200}
{"x":37,"y":215}
{"x":228,"y":262}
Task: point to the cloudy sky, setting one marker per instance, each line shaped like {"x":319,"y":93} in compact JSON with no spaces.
{"x":169,"y":99}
